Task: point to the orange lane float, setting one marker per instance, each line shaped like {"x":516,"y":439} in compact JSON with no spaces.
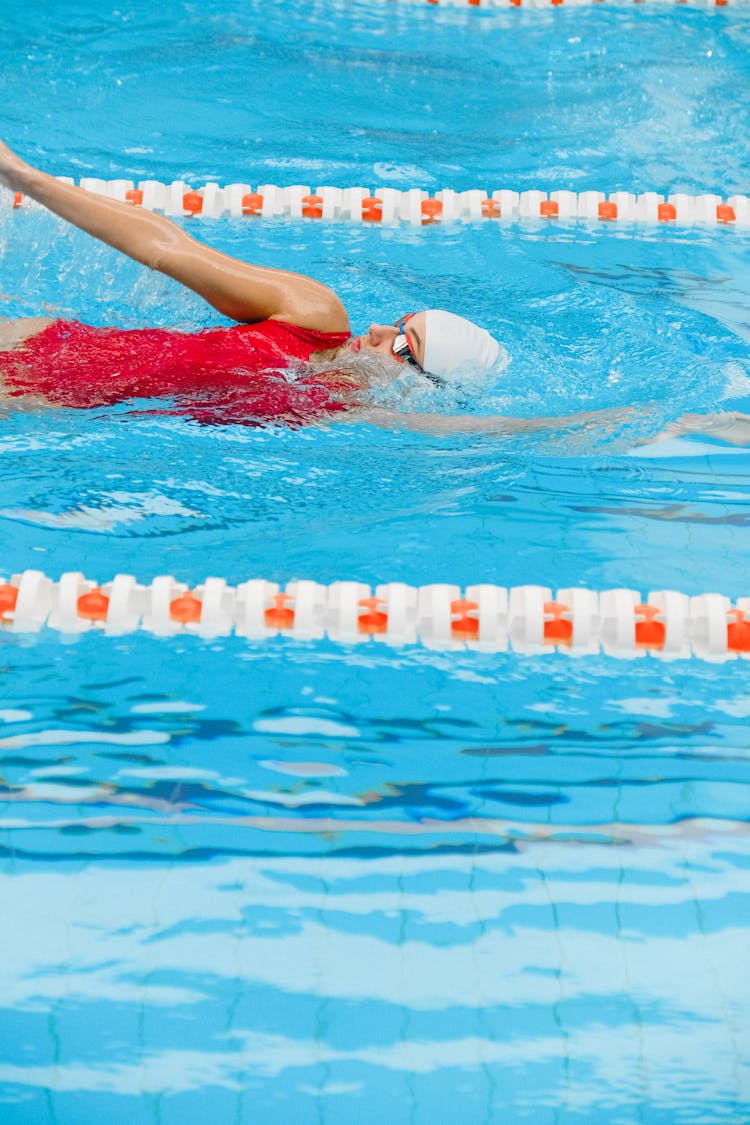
{"x":312,"y":206}
{"x":280,"y":615}
{"x":93,"y":606}
{"x":252,"y":203}
{"x":373,"y":621}
{"x":8,"y":600}
{"x":372,"y":209}
{"x":558,"y":625}
{"x":186,"y":609}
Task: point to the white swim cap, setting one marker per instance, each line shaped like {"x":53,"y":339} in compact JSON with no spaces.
{"x":451,"y":342}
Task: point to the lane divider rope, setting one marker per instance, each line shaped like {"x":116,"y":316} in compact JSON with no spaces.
{"x":526,"y":619}
{"x":566,"y":3}
{"x":390,"y":206}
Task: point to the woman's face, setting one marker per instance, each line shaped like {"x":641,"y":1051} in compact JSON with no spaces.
{"x":381,"y":338}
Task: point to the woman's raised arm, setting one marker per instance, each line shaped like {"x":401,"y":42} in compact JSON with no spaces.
{"x":234,"y":288}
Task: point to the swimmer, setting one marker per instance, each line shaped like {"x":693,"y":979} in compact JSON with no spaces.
{"x":284,"y":320}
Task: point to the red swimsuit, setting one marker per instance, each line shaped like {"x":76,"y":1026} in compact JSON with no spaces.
{"x":238,"y":374}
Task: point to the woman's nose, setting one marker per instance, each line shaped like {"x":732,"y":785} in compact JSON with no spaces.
{"x":380,"y":333}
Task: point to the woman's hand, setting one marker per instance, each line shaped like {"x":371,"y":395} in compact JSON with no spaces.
{"x":11,"y":168}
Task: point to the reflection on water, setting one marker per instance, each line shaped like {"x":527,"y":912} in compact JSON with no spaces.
{"x":523,"y":901}
{"x":571,"y":970}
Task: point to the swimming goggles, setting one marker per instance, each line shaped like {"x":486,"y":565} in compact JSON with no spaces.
{"x":401,"y":347}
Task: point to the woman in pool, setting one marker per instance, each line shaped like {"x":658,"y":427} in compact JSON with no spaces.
{"x":232,"y":374}
{"x":285,"y":319}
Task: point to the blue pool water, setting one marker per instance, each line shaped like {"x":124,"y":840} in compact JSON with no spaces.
{"x":305,"y":883}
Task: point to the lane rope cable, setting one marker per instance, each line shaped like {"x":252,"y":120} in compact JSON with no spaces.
{"x":569,"y":3}
{"x":391,"y":206}
{"x":488,"y":618}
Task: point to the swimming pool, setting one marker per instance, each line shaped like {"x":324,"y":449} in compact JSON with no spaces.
{"x":308,"y":882}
